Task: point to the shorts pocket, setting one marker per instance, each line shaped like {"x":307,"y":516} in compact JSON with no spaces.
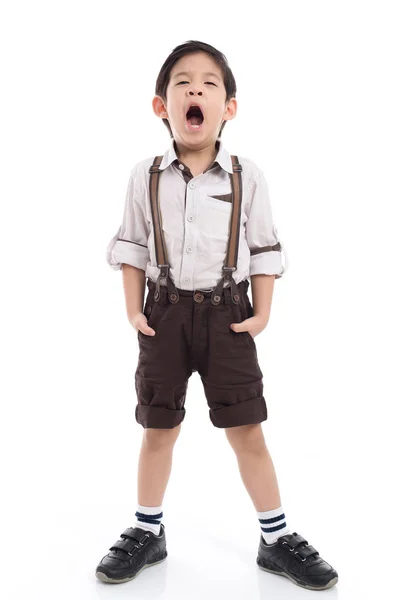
{"x":150,"y":311}
{"x":249,"y":337}
{"x":239,"y":316}
{"x":246,"y":311}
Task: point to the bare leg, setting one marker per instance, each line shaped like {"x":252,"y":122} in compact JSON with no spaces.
{"x":155,"y":464}
{"x":255,"y":465}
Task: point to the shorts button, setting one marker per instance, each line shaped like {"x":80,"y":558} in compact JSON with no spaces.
{"x":148,"y":310}
{"x":236,"y":297}
{"x":173,"y":296}
{"x":217,"y":298}
{"x":198,"y":297}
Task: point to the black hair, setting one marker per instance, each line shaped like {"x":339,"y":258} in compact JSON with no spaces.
{"x":188,"y":48}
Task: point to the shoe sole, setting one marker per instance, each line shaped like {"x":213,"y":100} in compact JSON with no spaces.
{"x":330,"y":583}
{"x":103,"y":577}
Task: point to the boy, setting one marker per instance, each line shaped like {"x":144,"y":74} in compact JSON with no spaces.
{"x":191,"y":215}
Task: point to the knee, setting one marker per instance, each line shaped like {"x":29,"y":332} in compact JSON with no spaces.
{"x":156,"y":439}
{"x":246,"y":438}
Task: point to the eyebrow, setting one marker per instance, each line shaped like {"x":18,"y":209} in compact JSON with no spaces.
{"x":209,"y":74}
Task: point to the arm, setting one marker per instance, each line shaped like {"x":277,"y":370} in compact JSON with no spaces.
{"x":134,"y":285}
{"x":134,"y":281}
{"x":265,"y":254}
{"x":262,"y":288}
{"x":128,"y":251}
{"x":261,"y":233}
{"x":129,"y":245}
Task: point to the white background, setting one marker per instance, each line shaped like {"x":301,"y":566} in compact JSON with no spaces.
{"x":318,"y":111}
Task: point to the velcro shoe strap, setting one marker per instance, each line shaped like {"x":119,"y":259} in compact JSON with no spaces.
{"x":134,"y":533}
{"x":305,"y":551}
{"x":298,"y":539}
{"x":294,"y":539}
{"x":127,"y":545}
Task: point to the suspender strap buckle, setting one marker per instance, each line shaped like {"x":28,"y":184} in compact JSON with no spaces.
{"x":229,"y":269}
{"x":235,"y":294}
{"x":219,"y":288}
{"x":165,"y":279}
{"x":162,"y":278}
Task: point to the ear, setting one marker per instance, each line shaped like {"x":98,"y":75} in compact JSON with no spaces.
{"x":159,"y":107}
{"x":230,"y":110}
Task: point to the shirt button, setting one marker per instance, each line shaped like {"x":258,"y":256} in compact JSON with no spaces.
{"x":186,"y":280}
{"x":192,"y":185}
{"x":191,"y":218}
{"x":181,"y":167}
{"x":189,"y":249}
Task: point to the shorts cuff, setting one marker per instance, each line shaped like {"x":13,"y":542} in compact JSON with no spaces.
{"x":158,"y":416}
{"x":243,"y":413}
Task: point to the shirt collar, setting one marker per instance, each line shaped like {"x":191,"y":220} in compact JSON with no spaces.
{"x":223,"y":157}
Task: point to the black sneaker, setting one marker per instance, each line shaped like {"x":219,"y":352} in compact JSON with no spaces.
{"x":137,"y":550}
{"x":292,"y":557}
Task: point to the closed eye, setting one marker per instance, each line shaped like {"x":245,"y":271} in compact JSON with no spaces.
{"x":212,"y":83}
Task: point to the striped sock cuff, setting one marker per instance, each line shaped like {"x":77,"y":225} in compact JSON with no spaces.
{"x":149,"y":514}
{"x":272,"y":521}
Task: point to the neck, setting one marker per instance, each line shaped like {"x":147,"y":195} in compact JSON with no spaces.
{"x":197,"y":160}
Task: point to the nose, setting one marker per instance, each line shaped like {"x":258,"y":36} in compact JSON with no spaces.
{"x":191,"y":92}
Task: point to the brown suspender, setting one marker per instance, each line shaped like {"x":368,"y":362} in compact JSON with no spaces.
{"x":233,"y":241}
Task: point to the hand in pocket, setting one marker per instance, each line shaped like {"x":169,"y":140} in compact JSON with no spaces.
{"x":139,"y":322}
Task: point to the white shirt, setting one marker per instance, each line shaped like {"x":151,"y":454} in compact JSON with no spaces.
{"x":195,"y":214}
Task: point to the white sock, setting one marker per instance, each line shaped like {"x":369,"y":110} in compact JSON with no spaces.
{"x":149,"y":518}
{"x":273,"y":524}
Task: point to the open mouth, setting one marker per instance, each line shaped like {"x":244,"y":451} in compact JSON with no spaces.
{"x":194,"y":117}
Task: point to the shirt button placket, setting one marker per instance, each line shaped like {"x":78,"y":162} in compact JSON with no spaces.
{"x":188,"y":262}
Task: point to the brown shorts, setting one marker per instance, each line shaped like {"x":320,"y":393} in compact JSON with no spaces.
{"x":194,"y":335}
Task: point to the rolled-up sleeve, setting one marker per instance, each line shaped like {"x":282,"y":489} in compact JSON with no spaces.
{"x":130,"y":243}
{"x":265,"y":247}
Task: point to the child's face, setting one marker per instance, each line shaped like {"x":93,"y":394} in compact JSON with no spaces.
{"x":202,"y":84}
